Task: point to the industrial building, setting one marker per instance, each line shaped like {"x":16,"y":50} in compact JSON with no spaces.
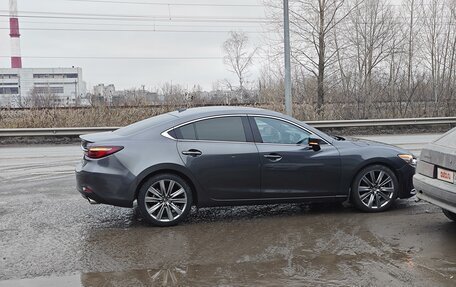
{"x":29,"y":87}
{"x":24,"y":87}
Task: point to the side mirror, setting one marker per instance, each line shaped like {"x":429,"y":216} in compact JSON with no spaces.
{"x":314,"y":143}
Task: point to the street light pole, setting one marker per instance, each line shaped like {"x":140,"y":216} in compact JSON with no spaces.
{"x":286,"y":27}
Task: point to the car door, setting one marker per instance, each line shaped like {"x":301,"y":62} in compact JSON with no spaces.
{"x":289,"y":167}
{"x":222,"y":156}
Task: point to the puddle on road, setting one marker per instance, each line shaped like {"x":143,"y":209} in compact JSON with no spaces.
{"x":284,"y":251}
{"x":294,"y":272}
{"x":282,"y":245}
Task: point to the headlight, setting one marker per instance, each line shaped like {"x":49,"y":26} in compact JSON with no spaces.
{"x":408,"y":158}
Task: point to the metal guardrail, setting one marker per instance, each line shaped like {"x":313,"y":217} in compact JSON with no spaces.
{"x":383,"y":122}
{"x":46,"y":132}
{"x":411,"y":122}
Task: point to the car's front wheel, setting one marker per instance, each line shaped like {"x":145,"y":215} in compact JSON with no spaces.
{"x":165,"y":200}
{"x":374,"y":188}
{"x":449,"y":214}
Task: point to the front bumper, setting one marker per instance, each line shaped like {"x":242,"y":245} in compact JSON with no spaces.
{"x":436,"y":192}
{"x":406,"y":181}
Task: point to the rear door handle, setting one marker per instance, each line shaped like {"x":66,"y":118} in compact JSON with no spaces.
{"x":192,"y":152}
{"x":273,"y":157}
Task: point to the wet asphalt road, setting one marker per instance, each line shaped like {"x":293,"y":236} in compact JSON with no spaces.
{"x":50,"y":236}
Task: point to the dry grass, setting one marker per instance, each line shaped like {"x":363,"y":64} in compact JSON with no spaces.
{"x":103,"y":116}
{"x":91,"y":117}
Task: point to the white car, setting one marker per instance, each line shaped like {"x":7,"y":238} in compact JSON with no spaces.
{"x":435,"y":175}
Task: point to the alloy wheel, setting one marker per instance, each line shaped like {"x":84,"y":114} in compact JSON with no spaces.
{"x":376,"y":189}
{"x":166,"y":200}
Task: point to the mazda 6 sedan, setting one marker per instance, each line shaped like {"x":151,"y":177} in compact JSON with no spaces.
{"x":225,"y":156}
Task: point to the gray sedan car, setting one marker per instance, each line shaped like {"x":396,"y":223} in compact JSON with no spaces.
{"x":218,"y":156}
{"x":436,"y":171}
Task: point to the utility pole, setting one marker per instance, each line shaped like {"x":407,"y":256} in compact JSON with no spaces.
{"x":286,"y":38}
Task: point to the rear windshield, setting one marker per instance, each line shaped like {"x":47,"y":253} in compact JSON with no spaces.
{"x":448,"y":139}
{"x":144,"y":124}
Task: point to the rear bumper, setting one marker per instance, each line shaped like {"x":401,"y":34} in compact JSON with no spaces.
{"x":406,"y":180}
{"x":436,"y":192}
{"x":105,"y":187}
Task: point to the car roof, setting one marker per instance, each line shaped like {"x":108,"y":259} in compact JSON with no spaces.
{"x":199,"y":112}
{"x":176,"y":118}
{"x":185,"y":115}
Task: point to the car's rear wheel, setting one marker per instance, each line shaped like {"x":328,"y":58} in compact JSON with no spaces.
{"x":165,"y":200}
{"x":374,"y":188}
{"x":449,"y":214}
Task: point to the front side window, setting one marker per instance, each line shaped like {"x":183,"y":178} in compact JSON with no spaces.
{"x":217,"y":129}
{"x":280,"y":132}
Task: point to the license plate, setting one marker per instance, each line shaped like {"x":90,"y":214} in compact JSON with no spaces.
{"x":445,"y":175}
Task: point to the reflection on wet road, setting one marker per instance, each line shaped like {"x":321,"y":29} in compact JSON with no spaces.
{"x":276,"y":245}
{"x":50,"y":236}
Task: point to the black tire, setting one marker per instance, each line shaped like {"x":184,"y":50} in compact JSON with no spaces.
{"x":374,"y":189}
{"x":449,"y":214}
{"x":164,"y":210}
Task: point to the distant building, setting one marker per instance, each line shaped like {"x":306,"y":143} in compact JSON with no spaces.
{"x":107,"y":94}
{"x":41,"y":87}
{"x":104,"y":93}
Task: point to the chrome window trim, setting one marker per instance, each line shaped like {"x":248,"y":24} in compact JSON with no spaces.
{"x":212,"y":141}
{"x":167,"y":135}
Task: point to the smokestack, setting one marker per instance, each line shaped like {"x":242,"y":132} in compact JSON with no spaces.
{"x":16,"y":60}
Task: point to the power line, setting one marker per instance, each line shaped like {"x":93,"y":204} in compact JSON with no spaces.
{"x":153,"y":19}
{"x":124,"y":58}
{"x":129,"y":25}
{"x":131,"y":30}
{"x":169,"y":4}
{"x":131,"y":16}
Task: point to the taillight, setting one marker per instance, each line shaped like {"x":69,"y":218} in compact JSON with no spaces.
{"x":102,"y":151}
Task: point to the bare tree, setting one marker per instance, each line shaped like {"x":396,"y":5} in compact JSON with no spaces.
{"x":439,"y":48}
{"x":371,"y":33}
{"x":174,"y":94}
{"x":238,"y":56}
{"x":42,"y":97}
{"x":314,"y":49}
{"x":371,"y":57}
{"x":411,"y":31}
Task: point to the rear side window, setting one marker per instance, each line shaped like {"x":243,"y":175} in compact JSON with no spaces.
{"x":218,"y":129}
{"x":187,"y":132}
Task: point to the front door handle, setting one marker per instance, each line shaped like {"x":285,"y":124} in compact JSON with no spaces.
{"x":273,"y":157}
{"x":192,"y":152}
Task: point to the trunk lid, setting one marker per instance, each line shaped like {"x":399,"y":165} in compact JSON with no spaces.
{"x":442,"y":152}
{"x":96,"y":137}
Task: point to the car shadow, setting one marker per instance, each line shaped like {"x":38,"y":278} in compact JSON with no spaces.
{"x":248,"y":212}
{"x":239,"y":213}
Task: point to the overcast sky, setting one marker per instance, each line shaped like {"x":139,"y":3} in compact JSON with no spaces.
{"x":129,"y":73}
